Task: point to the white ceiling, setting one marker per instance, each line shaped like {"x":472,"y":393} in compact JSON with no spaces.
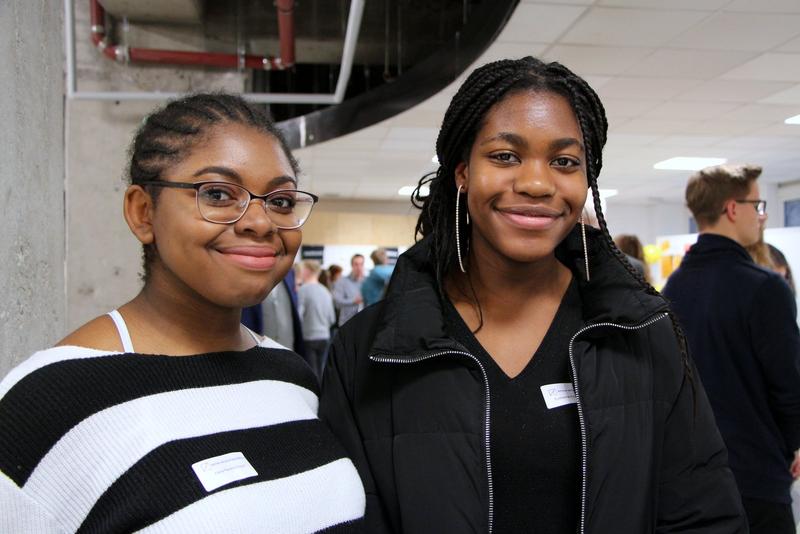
{"x":713,"y":78}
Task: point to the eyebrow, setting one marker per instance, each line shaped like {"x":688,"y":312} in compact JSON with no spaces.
{"x":235,"y":177}
{"x":512,"y":138}
{"x":519,"y":141}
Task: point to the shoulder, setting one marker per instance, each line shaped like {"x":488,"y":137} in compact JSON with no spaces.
{"x":99,"y":333}
{"x":43,"y":366}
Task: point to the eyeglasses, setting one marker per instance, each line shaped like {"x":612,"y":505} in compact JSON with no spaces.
{"x":226,"y":203}
{"x":760,"y":205}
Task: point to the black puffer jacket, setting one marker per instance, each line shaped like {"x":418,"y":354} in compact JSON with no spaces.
{"x":412,"y":407}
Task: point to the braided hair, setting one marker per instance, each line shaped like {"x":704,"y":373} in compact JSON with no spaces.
{"x":483,"y":89}
{"x":168,"y":135}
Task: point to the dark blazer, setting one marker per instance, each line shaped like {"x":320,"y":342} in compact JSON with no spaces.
{"x":739,"y":319}
{"x":412,"y":408}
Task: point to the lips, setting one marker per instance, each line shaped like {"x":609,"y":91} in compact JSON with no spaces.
{"x":530,"y":217}
{"x":251,"y":257}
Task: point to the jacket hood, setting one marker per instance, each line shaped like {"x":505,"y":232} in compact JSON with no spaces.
{"x":411,"y":316}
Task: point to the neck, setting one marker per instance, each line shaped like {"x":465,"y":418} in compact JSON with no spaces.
{"x":170,"y":320}
{"x":723,"y":230}
{"x":503,"y":288}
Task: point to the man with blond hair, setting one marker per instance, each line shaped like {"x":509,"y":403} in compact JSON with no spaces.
{"x":739,"y":321}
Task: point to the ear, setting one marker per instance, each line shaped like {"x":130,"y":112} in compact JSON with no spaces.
{"x":462,"y":176}
{"x":138,"y":210}
{"x":730,"y":210}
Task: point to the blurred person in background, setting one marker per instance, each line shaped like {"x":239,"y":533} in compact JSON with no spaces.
{"x":739,"y":320}
{"x":374,"y":285}
{"x":315,"y":306}
{"x":347,"y":290}
{"x":630,"y":245}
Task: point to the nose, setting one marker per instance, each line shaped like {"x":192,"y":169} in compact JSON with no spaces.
{"x":256,"y":219}
{"x":535,"y":179}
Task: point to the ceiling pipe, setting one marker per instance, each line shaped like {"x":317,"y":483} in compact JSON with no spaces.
{"x":206,"y":59}
{"x":350,"y":40}
{"x":285,"y":9}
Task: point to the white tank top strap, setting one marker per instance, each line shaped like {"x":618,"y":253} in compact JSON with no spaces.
{"x":122,"y":330}
{"x":258,"y":339}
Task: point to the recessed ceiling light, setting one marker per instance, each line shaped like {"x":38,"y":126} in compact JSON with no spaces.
{"x":688,"y":164}
{"x":793,"y":120}
{"x":408,"y":190}
{"x":435,"y":159}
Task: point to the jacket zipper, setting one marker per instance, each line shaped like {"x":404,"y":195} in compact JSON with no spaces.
{"x":581,"y":419}
{"x":487,"y":412}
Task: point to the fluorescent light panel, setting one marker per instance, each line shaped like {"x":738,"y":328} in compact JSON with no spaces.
{"x":407,"y":190}
{"x":793,"y":120}
{"x":682,"y":163}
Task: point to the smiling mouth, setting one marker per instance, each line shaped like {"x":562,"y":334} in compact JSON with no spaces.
{"x":530,"y":217}
{"x":251,"y":258}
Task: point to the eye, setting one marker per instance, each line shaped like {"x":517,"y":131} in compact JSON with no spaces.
{"x":505,"y":157}
{"x":218,"y":194}
{"x":565,"y":162}
{"x":282,"y":203}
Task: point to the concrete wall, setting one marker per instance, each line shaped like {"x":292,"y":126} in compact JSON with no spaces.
{"x":32,"y":178}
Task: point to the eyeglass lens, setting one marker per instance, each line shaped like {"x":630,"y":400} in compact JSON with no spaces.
{"x":224,"y":203}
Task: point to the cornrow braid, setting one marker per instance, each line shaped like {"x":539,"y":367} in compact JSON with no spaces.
{"x":484,"y":88}
{"x":168,"y":135}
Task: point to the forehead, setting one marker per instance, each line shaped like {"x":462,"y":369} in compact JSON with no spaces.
{"x":242,"y":148}
{"x":532,"y":113}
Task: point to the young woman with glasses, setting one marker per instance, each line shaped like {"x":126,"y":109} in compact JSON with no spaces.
{"x":167,"y":415}
{"x":520,"y":375}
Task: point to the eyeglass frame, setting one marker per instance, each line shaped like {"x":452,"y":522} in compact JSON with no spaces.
{"x":197,"y":185}
{"x":756,"y":203}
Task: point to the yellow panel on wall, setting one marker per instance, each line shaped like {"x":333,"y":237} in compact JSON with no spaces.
{"x":338,"y":228}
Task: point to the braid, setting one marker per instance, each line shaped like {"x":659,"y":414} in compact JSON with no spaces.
{"x":169,"y":134}
{"x":484,"y":88}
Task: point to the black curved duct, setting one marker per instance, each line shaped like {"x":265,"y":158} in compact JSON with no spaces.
{"x":416,"y":84}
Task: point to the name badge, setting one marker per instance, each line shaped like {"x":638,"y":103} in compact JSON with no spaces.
{"x":556,"y":395}
{"x":220,"y":470}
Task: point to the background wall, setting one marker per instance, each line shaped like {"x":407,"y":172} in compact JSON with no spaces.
{"x":32,"y":178}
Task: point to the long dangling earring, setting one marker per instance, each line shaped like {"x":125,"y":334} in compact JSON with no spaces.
{"x":585,"y":252}
{"x":458,"y":237}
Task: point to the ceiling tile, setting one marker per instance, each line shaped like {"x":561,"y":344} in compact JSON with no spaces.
{"x":618,"y":108}
{"x":690,"y":140}
{"x":652,"y":126}
{"x":621,"y":140}
{"x":776,"y":67}
{"x":733,"y":90}
{"x":427,"y":135}
{"x":700,"y":5}
{"x":539,"y":23}
{"x":645,"y":88}
{"x":504,"y":50}
{"x":723,"y":127}
{"x":782,"y":129}
{"x":790,"y":46}
{"x":630,"y":27}
{"x":596,"y":59}
{"x":776,"y":113}
{"x":758,"y":142}
{"x":790,"y":95}
{"x":700,"y":64}
{"x":690,"y":111}
{"x":760,"y":6}
{"x":740,"y":31}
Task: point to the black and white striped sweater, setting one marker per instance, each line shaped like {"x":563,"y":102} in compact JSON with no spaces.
{"x":94,"y":441}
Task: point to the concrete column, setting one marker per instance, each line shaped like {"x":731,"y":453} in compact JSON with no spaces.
{"x":32,"y":296}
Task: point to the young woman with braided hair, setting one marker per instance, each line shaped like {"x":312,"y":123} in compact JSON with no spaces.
{"x":167,"y":415}
{"x":520,"y":376}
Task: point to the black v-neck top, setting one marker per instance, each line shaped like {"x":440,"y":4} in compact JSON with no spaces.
{"x":535,"y":450}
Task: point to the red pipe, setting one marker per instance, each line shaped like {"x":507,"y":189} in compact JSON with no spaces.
{"x":285,"y":9}
{"x":209,"y":59}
